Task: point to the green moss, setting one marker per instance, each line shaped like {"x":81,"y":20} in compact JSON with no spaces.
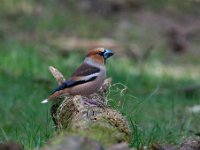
{"x":106,"y":135}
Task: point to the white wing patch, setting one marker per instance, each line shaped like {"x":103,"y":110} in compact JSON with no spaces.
{"x":90,"y":76}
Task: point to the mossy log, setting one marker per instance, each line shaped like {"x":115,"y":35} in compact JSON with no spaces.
{"x":87,"y":118}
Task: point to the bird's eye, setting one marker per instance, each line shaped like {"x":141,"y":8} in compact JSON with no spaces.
{"x":100,"y":53}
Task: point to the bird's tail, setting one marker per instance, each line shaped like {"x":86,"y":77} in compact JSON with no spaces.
{"x":45,"y":101}
{"x":55,"y":95}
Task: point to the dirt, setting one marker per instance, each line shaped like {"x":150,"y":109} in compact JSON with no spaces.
{"x":189,"y":144}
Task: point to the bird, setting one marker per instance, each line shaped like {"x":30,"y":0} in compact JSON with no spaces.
{"x":87,"y":79}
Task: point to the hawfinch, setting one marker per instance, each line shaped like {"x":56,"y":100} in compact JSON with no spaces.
{"x":87,"y":79}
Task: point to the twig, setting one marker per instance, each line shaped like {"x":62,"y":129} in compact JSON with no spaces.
{"x":57,"y":75}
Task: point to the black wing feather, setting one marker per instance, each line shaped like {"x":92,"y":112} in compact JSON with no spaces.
{"x":70,"y":83}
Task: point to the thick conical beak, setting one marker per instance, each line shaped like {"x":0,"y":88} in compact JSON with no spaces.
{"x":107,"y":53}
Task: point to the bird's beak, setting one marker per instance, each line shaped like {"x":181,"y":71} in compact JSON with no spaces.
{"x":107,"y":53}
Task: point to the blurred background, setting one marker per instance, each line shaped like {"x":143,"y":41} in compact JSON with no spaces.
{"x":155,"y":70}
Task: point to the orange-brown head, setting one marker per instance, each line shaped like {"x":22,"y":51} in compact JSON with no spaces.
{"x":100,"y":55}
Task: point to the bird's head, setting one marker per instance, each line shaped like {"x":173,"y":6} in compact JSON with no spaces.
{"x":100,"y":55}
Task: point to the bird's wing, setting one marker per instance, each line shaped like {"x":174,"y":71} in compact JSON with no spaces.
{"x":85,"y":70}
{"x":85,"y":73}
{"x":71,"y":83}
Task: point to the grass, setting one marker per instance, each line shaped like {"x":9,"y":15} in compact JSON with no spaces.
{"x":19,"y":98}
{"x":154,"y":115}
{"x":145,"y":92}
